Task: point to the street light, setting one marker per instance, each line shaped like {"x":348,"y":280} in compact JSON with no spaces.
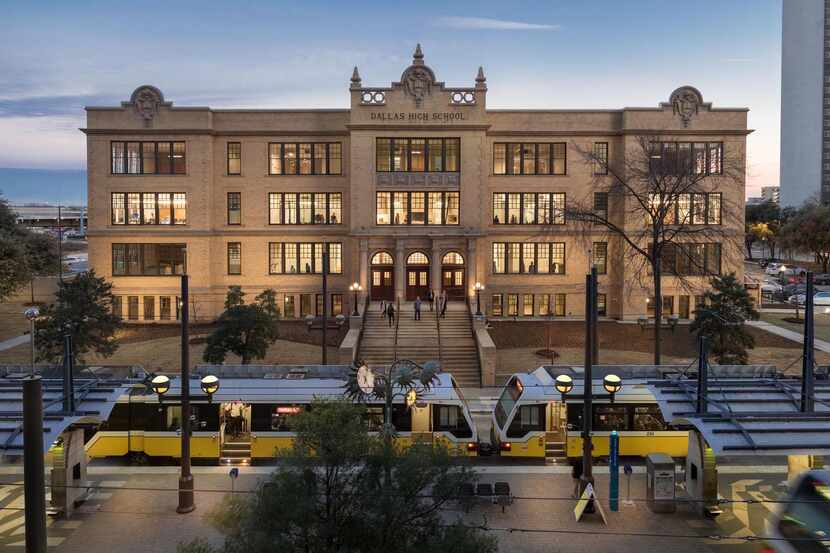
{"x":160,"y":385}
{"x":32,"y":314}
{"x":612,"y":384}
{"x":355,"y":287}
{"x":478,"y":288}
{"x":210,"y":385}
{"x":564,"y":385}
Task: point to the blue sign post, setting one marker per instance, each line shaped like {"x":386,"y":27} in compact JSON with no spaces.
{"x":614,"y":468}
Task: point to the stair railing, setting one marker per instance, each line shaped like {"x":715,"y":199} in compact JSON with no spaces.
{"x":473,"y":332}
{"x":397,"y":323}
{"x":438,"y":330}
{"x":362,"y":326}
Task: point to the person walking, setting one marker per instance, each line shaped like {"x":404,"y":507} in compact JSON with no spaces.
{"x":417,"y":308}
{"x":382,"y":308}
{"x":390,"y":313}
{"x":576,"y":474}
{"x":431,"y":299}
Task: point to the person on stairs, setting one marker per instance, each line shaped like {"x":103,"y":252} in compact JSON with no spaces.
{"x":417,"y":308}
{"x":431,"y":299}
{"x":390,"y":313}
{"x":443,"y":303}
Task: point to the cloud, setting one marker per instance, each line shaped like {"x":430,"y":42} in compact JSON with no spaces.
{"x":488,"y":24}
{"x":45,"y":106}
{"x":740,"y":60}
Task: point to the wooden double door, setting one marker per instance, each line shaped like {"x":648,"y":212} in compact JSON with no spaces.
{"x":452,"y":281}
{"x":417,"y":282}
{"x":383,"y":283}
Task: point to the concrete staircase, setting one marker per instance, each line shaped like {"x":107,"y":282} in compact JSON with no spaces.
{"x":458,"y":348}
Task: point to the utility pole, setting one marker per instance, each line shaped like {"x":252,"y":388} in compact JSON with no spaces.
{"x":702,"y":374}
{"x":68,"y":369}
{"x":808,"y":358}
{"x":60,"y":244}
{"x":588,"y":392}
{"x":186,"y":503}
{"x":34,"y":487}
{"x":325,"y":303}
{"x":594,"y":319}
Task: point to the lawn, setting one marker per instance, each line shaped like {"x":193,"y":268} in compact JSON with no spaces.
{"x":822,"y":322}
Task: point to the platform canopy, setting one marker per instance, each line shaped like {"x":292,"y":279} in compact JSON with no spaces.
{"x":759,"y":416}
{"x":94,"y":401}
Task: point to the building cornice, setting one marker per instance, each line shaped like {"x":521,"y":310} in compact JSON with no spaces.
{"x":443,"y":128}
{"x":211,"y":132}
{"x":623,"y":132}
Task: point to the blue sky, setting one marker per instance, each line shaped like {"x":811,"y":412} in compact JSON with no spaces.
{"x":59,"y":56}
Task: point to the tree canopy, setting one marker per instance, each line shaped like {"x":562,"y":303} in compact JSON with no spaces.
{"x":330,"y":496}
{"x":83,"y":308}
{"x":721,"y":320}
{"x":809,"y":232}
{"x":243,"y":329}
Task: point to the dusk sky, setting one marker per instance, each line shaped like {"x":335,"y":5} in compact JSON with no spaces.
{"x":60,"y":56}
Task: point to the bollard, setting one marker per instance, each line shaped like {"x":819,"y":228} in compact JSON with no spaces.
{"x":614,"y":468}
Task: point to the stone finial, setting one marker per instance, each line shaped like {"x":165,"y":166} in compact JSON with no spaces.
{"x":418,"y":56}
{"x":355,"y":78}
{"x":480,"y":79}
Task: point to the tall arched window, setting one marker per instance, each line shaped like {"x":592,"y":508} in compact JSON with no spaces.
{"x":417,"y":258}
{"x":382,"y":258}
{"x":452,"y":258}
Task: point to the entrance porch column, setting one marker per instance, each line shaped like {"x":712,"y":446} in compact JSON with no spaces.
{"x":435,"y":269}
{"x":471,"y":265}
{"x":363,"y":278}
{"x":400,"y":270}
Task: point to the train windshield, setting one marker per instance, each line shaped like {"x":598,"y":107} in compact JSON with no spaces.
{"x":508,"y":399}
{"x":806,"y":525}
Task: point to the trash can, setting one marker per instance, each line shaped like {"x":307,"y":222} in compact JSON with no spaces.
{"x":660,"y":482}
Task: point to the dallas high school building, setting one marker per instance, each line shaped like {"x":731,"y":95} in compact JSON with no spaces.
{"x":416,"y":186}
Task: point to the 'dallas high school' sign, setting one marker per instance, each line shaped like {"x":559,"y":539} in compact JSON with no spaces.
{"x":418,"y":117}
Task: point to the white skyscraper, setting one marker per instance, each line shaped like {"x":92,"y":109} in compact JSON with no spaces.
{"x":805,"y":101}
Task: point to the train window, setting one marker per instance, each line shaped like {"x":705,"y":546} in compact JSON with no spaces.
{"x":119,"y":419}
{"x":280,"y":416}
{"x":610,"y":417}
{"x":206,"y":417}
{"x":805,"y":523}
{"x":574,"y":416}
{"x":167,"y":418}
{"x":260,"y":417}
{"x":450,"y":418}
{"x":647,"y":418}
{"x":511,"y":394}
{"x":530,"y":418}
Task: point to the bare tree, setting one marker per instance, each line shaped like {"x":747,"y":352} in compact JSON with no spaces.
{"x":668,"y":205}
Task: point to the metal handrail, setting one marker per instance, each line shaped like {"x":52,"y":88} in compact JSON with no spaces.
{"x":473,"y":332}
{"x":362,"y":325}
{"x":438,"y":329}
{"x":397,"y":322}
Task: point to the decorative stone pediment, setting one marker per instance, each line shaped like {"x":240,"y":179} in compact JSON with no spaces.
{"x":418,"y":79}
{"x":146,"y":101}
{"x":686,"y":102}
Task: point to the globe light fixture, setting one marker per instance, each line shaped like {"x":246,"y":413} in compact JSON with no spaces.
{"x":564,"y":384}
{"x":210,"y":385}
{"x":478,"y":288}
{"x":355,"y":288}
{"x":612,"y":384}
{"x":160,"y":384}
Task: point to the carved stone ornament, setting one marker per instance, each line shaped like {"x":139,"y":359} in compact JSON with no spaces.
{"x":146,"y":101}
{"x":686,"y":102}
{"x":418,"y":79}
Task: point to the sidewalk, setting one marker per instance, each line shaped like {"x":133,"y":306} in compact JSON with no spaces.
{"x":821,"y":345}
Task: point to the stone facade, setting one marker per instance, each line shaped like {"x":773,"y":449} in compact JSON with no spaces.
{"x":418,"y":106}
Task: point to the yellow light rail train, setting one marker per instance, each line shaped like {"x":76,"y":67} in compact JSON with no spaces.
{"x":249,"y":418}
{"x":531,"y":420}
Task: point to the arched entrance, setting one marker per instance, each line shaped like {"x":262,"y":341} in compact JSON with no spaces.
{"x":382,"y":277}
{"x":452,"y":275}
{"x":417,"y":276}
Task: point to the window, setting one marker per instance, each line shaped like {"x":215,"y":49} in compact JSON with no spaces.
{"x":692,"y":259}
{"x":559,"y":305}
{"x":288,"y":307}
{"x":527,"y":305}
{"x":179,"y":208}
{"x":410,"y":208}
{"x":610,"y":417}
{"x":601,"y":205}
{"x":602,"y":305}
{"x":119,"y":209}
{"x":234,"y":158}
{"x":132,"y":308}
{"x":499,"y":250}
{"x":306,"y":305}
{"x":529,"y":257}
{"x":148,"y":158}
{"x":528,"y":418}
{"x":306,"y":208}
{"x":287,"y":257}
{"x":512,"y":305}
{"x":544,"y":305}
{"x":317,"y":158}
{"x":600,"y":158}
{"x":529,"y":158}
{"x":417,"y":155}
{"x":336,"y":304}
{"x":600,"y":253}
{"x":234,"y":208}
{"x":647,"y":418}
{"x":683,"y":307}
{"x":164,"y":308}
{"x":698,"y":158}
{"x":117,"y":306}
{"x":528,"y":208}
{"x":149,"y":308}
{"x":496,"y":307}
{"x":318,"y":306}
{"x":234,"y":258}
{"x":147,"y":259}
{"x":450,"y":418}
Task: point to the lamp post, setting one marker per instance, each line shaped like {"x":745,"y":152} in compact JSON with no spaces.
{"x":478,"y":288}
{"x":32,"y":314}
{"x":355,"y":287}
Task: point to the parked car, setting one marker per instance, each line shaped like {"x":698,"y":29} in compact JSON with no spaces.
{"x":771,"y":288}
{"x":819,"y":298}
{"x":772,"y":268}
{"x":821,"y":278}
{"x":793,"y":289}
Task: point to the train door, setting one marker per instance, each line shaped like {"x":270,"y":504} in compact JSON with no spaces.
{"x":235,"y":436}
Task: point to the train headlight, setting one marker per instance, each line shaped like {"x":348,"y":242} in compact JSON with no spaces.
{"x":160,"y":384}
{"x":564,"y":384}
{"x":210,"y":385}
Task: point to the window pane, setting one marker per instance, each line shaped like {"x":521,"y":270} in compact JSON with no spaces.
{"x":335,"y":258}
{"x":165,"y":161}
{"x":165,"y":208}
{"x":514,"y":204}
{"x":435,"y":146}
{"x":699,"y":156}
{"x":306,"y":260}
{"x":275,"y":159}
{"x":543,"y":159}
{"x":600,"y":253}
{"x":684,"y":209}
{"x":527,"y":305}
{"x":180,"y":208}
{"x":558,"y":208}
{"x":290,"y":258}
{"x":559,"y":305}
{"x":289,"y":159}
{"x":118,"y":166}
{"x":320,"y":164}
{"x":496,"y":302}
{"x":543,"y":258}
{"x":600,"y":158}
{"x":234,"y":208}
{"x":234,"y":258}
{"x":418,"y":154}
{"x":417,"y":208}
{"x":383,"y":153}
{"x":514,"y":160}
{"x":498,"y":257}
{"x":436,"y":208}
{"x":499,"y":163}
{"x":305,"y":159}
{"x":275,"y":208}
{"x":335,"y":158}
{"x":544,"y":305}
{"x":512,"y":305}
{"x":318,"y":257}
{"x":559,"y":154}
{"x":514,"y":258}
{"x":382,"y":208}
{"x":290,"y":209}
{"x":148,"y":158}
{"x":452,"y":149}
{"x":275,"y":258}
{"x":698,"y":209}
{"x":602,"y":307}
{"x":557,"y":258}
{"x":529,"y":258}
{"x":529,"y":159}
{"x":543,"y":209}
{"x":715,"y":157}
{"x":499,"y":206}
{"x":289,"y":309}
{"x":119,"y":259}
{"x":319,"y":208}
{"x":134,"y":209}
{"x":335,"y":208}
{"x":149,"y":201}
{"x":452,"y":208}
{"x":234,"y":158}
{"x":179,"y":164}
{"x":713,"y":215}
{"x":118,"y":208}
{"x":133,"y":158}
{"x":529,"y":209}
{"x":400,"y":161}
{"x":400,"y":206}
